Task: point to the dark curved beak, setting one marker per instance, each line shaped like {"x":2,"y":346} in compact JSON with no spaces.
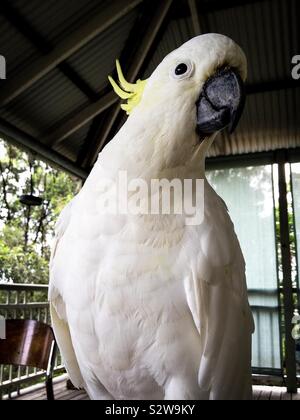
{"x":221,"y":103}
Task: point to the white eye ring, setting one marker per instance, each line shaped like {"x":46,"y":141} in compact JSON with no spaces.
{"x":183,"y":70}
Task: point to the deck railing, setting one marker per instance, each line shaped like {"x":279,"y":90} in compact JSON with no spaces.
{"x":23,"y":301}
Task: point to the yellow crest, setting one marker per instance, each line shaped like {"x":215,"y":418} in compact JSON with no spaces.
{"x":132,"y":92}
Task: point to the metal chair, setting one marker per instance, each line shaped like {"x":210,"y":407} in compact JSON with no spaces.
{"x":30,"y":343}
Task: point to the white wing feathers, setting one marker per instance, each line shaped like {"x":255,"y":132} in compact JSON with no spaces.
{"x":216,"y":293}
{"x":57,"y":307}
{"x":217,"y":296}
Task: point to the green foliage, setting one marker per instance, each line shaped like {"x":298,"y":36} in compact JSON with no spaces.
{"x":26,"y":233}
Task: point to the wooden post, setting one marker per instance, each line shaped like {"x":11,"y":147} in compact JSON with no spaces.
{"x":290,"y":345}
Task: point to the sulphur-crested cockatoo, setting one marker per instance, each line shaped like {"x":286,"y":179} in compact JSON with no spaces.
{"x":152,"y":306}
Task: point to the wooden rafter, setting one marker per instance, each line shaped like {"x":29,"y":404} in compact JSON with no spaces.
{"x":83,"y":117}
{"x":27,"y":142}
{"x":72,"y":43}
{"x":22,"y":25}
{"x":137,"y":62}
{"x":195,"y":17}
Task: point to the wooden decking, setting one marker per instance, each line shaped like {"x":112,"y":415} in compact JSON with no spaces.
{"x":62,"y":393}
{"x":273,"y":393}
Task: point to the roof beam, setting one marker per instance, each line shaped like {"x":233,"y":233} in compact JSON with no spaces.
{"x":274,"y":86}
{"x":135,"y":67}
{"x":217,"y":5}
{"x":92,"y":135}
{"x":211,"y":6}
{"x":25,"y":141}
{"x":72,"y":43}
{"x":136,"y":33}
{"x":23,"y":26}
{"x":195,"y":17}
{"x":79,"y":120}
{"x":78,"y":81}
{"x":44,"y":47}
{"x":252,"y":159}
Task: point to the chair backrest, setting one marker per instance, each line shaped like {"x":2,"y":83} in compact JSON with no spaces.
{"x":28,"y":343}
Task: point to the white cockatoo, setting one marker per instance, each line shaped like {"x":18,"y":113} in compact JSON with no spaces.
{"x":150,"y":306}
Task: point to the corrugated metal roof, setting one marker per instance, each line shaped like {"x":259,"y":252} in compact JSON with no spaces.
{"x":45,"y":104}
{"x":270,"y":121}
{"x":53,"y":98}
{"x":177,"y":33}
{"x":72,"y":146}
{"x":267,"y":30}
{"x":54,"y":19}
{"x":264,"y":32}
{"x":269,"y":34}
{"x":97,"y":60}
{"x":15,"y":48}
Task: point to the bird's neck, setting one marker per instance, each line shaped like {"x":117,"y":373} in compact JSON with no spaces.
{"x":156,"y":153}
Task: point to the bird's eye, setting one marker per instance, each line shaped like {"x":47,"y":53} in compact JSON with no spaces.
{"x":183,"y":70}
